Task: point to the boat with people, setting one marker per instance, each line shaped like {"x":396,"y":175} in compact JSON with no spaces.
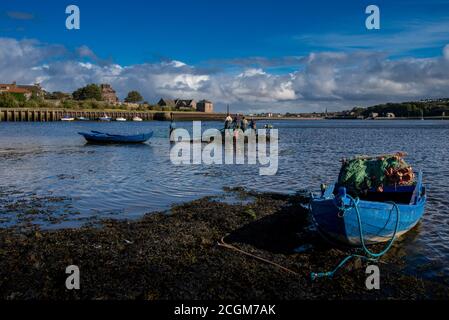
{"x":120,"y":119}
{"x":67,"y":118}
{"x":137,"y":119}
{"x":376,"y":199}
{"x":234,"y":128}
{"x":102,"y":137}
{"x":105,"y":117}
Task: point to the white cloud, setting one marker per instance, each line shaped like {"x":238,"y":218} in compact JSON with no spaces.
{"x":321,"y":80}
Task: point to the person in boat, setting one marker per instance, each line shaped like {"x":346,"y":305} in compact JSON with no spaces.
{"x":172,"y":124}
{"x":252,"y":124}
{"x":228,"y":122}
{"x":236,"y":122}
{"x":244,"y":124}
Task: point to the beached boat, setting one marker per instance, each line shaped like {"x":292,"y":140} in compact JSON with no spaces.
{"x":120,"y":119}
{"x":67,"y":118}
{"x":137,"y":119}
{"x":101,"y":137}
{"x":105,"y":117}
{"x":378,"y":216}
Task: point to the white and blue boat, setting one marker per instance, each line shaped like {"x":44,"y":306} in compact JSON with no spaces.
{"x":67,"y":118}
{"x":374,"y":218}
{"x":105,"y":117}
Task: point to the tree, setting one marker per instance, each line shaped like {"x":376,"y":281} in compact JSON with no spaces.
{"x":133,"y":97}
{"x":57,"y":95}
{"x":7,"y":101}
{"x":91,"y":91}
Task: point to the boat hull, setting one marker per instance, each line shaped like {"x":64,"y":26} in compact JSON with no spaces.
{"x":378,"y":219}
{"x":108,"y":138}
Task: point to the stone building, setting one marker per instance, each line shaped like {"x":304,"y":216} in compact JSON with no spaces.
{"x":108,"y":94}
{"x":14,"y":89}
{"x":166,"y":103}
{"x":179,"y":104}
{"x":26,"y":90}
{"x":35,"y":89}
{"x":205,"y":106}
{"x":185,"y":105}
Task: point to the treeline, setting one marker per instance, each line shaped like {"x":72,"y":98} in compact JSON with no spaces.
{"x":8,"y":100}
{"x":431,"y":108}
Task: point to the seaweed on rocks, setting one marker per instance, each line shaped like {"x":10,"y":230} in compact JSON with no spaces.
{"x":174,"y":255}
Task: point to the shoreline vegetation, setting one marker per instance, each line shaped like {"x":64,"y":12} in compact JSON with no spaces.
{"x":102,"y":98}
{"x":175,"y":255}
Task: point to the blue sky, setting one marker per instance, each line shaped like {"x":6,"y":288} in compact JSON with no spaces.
{"x":224,"y":39}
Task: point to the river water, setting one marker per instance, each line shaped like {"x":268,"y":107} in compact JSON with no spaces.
{"x":51,"y":177}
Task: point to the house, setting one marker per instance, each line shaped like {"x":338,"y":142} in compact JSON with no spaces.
{"x":185,"y":105}
{"x":166,"y":103}
{"x":14,"y":89}
{"x":108,"y":94}
{"x":35,"y":89}
{"x":390,"y":115}
{"x":373,"y":115}
{"x":205,"y":106}
{"x":179,"y":104}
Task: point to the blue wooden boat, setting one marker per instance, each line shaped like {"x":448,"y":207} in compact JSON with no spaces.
{"x":381,"y":215}
{"x":101,"y":137}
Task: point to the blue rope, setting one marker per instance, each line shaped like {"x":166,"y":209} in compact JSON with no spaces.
{"x":370,"y":255}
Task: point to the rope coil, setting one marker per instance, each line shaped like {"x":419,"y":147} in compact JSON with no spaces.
{"x":369,"y":255}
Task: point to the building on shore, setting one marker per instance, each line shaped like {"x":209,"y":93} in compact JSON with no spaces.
{"x":185,"y":105}
{"x":27,"y":91}
{"x":178,"y":104}
{"x":205,"y":106}
{"x":163,"y":102}
{"x":108,"y":94}
{"x":390,"y":115}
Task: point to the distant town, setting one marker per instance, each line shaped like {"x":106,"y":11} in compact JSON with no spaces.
{"x":92,"y":96}
{"x":104,"y":97}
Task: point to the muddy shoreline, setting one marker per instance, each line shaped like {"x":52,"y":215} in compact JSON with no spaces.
{"x":175,"y":255}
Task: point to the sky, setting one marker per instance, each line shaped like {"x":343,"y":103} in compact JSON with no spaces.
{"x":256,"y":55}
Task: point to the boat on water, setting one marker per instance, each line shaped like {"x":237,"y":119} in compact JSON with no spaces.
{"x":120,"y":119}
{"x":137,"y":119}
{"x":67,"y":118}
{"x":378,"y":214}
{"x":82,"y":119}
{"x":105,"y":117}
{"x":102,"y":137}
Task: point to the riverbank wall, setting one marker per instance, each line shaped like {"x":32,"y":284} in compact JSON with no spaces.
{"x":42,"y":115}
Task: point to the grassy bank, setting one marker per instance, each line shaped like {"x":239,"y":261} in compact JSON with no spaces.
{"x":174,"y":255}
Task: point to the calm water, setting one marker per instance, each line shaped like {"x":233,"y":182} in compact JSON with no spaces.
{"x":47,"y":171}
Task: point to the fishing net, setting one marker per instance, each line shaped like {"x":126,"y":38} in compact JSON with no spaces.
{"x":362,"y":174}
